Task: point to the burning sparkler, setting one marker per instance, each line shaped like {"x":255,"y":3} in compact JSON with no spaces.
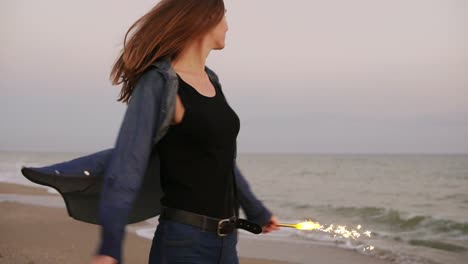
{"x":338,"y":230}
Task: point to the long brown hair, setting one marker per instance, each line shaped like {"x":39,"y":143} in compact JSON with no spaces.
{"x":164,"y":31}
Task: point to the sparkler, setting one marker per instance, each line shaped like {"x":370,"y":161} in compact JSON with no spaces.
{"x":338,"y":230}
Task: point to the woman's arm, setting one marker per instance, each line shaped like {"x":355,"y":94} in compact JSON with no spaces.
{"x":252,"y":207}
{"x":124,"y":174}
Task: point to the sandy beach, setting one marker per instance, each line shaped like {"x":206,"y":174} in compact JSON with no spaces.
{"x":34,"y":234}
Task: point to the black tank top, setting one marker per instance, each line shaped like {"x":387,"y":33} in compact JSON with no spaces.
{"x":197,"y":155}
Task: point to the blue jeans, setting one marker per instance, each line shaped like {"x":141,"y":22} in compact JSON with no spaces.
{"x":174,"y":242}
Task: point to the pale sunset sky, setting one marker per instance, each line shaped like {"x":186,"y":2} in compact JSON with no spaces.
{"x":304,"y":76}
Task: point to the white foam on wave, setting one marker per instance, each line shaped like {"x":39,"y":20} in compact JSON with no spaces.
{"x":147,"y":233}
{"x":15,"y":177}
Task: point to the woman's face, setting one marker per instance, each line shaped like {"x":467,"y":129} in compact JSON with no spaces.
{"x":217,"y":36}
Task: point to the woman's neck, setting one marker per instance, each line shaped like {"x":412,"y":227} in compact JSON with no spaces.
{"x":192,"y":59}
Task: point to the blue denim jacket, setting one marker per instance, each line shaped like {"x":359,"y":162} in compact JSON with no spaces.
{"x":121,"y":185}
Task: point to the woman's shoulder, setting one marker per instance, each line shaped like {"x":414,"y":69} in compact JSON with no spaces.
{"x":151,"y":78}
{"x":149,"y":85}
{"x":213,"y":76}
{"x":212,"y":73}
{"x":152,"y":72}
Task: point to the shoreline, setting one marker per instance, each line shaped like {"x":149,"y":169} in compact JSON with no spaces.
{"x":43,"y":234}
{"x":16,"y":188}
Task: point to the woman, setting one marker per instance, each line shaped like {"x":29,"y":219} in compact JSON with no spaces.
{"x":196,"y":153}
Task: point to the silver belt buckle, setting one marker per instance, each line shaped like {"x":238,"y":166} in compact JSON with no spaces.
{"x":220,"y":223}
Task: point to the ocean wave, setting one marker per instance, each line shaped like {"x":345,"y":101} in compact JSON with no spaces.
{"x":398,"y":221}
{"x":438,"y":245}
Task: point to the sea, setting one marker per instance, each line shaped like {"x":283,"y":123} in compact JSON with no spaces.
{"x":414,"y":206}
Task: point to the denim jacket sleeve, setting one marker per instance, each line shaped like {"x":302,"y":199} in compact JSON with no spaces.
{"x":125,"y":172}
{"x":253,"y":208}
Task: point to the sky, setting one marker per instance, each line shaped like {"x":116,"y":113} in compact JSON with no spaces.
{"x":304,"y":76}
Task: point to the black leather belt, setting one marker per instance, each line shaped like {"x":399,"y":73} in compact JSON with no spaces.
{"x":222,"y":227}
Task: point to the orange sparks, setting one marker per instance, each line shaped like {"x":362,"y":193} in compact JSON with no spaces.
{"x":332,"y":229}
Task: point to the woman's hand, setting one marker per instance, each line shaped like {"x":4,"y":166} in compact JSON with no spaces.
{"x":103,"y":259}
{"x":271,"y":225}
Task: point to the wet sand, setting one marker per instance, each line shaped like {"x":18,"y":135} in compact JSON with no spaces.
{"x":8,"y":188}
